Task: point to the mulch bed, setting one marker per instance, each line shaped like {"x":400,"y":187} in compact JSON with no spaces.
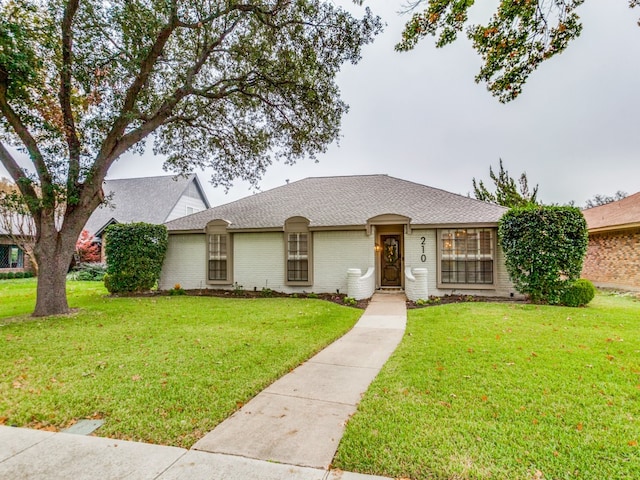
{"x":337,"y":298}
{"x":446,"y":299}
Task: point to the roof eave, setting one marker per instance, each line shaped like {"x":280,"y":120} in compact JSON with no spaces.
{"x":612,"y":228}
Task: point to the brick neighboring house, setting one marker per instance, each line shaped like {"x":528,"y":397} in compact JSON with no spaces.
{"x":12,"y":257}
{"x":352,"y":234}
{"x":613,"y":254}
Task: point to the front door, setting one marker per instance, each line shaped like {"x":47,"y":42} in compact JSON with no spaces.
{"x":391,"y":262}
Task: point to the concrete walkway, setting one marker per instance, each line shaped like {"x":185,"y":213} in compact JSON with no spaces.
{"x":291,"y":430}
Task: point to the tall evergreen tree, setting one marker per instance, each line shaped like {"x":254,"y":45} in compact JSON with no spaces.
{"x":508,"y":193}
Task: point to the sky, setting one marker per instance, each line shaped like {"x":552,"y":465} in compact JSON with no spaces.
{"x":420,"y":115}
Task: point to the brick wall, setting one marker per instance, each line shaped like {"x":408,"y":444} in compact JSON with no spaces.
{"x":613,"y":259}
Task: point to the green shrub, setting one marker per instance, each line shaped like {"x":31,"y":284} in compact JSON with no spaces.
{"x":544,"y":248}
{"x":135,"y":253}
{"x":177,"y":290}
{"x":578,"y":294}
{"x":266,"y":292}
{"x":350,"y":301}
{"x":11,"y":275}
{"x":89,"y":272}
{"x":312,"y":295}
{"x":3,"y":275}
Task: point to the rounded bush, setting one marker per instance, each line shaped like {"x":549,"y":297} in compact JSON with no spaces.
{"x":135,"y":253}
{"x":578,"y":294}
{"x":11,"y":275}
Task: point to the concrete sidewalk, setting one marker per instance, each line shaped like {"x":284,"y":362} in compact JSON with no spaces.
{"x":291,"y":430}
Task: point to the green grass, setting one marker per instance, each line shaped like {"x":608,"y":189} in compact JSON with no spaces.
{"x":479,"y":391}
{"x":160,"y":369}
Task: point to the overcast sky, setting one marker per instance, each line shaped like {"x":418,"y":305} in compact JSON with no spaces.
{"x":420,"y":116}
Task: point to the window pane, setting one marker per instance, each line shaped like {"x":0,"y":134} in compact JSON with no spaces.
{"x":218,"y":256}
{"x":298,"y":257}
{"x":217,"y":269}
{"x":466,"y":256}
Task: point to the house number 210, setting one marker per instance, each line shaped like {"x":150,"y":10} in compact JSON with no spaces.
{"x":423,"y":257}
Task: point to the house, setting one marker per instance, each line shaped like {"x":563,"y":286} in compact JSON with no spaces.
{"x":148,"y":199}
{"x":351,"y":234}
{"x":613,"y":253}
{"x":12,"y":257}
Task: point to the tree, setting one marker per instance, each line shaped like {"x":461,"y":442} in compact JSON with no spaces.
{"x":599,"y":199}
{"x":544,"y":248}
{"x":229,"y":85}
{"x":519,"y":36}
{"x":16,"y":221}
{"x":507,"y":193}
{"x":86,"y":249}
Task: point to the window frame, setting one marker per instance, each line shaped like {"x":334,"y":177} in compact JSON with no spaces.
{"x":219,"y":228}
{"x":298,"y":226}
{"x":467,"y":258}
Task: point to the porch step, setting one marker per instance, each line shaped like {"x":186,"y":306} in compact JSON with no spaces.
{"x":390,"y":290}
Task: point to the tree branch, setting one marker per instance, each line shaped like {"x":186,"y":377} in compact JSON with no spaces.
{"x":16,"y":173}
{"x":26,"y":138}
{"x":65,"y":97}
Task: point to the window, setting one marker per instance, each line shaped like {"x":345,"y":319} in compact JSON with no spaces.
{"x":298,"y":257}
{"x":219,"y":253}
{"x":191,"y":210}
{"x":466,"y":256}
{"x":11,"y":256}
{"x":217,"y":257}
{"x":298,"y":252}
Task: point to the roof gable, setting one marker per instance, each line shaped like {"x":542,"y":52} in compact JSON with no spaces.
{"x":615,"y":215}
{"x":146,"y":199}
{"x":343,"y":202}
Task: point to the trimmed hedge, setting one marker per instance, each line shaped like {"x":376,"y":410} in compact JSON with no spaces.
{"x":578,"y":294}
{"x":135,"y":252}
{"x":544,"y":248}
{"x":12,"y":275}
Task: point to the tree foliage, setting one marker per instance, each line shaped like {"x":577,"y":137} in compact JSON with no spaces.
{"x":228,"y":85}
{"x":599,"y":199}
{"x":544,"y":249}
{"x":508,"y":193}
{"x":134,"y":252}
{"x":520,"y":35}
{"x":87,"y":250}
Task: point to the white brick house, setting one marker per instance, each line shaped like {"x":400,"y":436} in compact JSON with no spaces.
{"x":351,"y":234}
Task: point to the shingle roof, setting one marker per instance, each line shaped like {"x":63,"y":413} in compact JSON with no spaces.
{"x":345,"y":201}
{"x":146,"y":199}
{"x":620,"y":214}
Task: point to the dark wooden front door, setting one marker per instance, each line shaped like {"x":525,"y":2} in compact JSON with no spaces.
{"x":391,"y":262}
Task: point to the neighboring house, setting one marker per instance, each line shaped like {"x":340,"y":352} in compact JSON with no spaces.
{"x":149,"y":199}
{"x":350,"y":235}
{"x":613,"y":254}
{"x":12,"y":257}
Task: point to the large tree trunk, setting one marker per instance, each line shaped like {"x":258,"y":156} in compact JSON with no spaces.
{"x":53,"y":251}
{"x":52,"y":282}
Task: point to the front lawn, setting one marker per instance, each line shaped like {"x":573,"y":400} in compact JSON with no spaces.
{"x":499,"y":391}
{"x":159,"y":369}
